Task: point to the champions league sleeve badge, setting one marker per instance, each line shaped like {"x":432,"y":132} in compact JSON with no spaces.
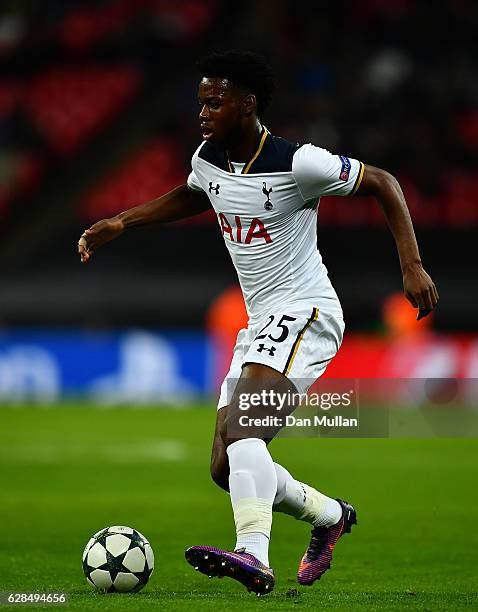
{"x":345,"y":171}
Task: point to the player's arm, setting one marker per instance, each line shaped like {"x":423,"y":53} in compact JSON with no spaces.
{"x":417,"y":284}
{"x":180,"y":203}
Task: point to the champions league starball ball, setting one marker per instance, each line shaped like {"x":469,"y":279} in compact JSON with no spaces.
{"x":118,"y":559}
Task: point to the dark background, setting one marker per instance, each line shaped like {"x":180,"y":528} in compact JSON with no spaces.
{"x":98,"y":112}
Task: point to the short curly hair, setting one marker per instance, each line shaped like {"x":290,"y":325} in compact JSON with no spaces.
{"x":245,"y":69}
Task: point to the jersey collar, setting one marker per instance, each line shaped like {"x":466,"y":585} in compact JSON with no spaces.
{"x":247,"y":166}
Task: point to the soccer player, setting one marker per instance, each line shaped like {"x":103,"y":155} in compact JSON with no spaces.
{"x":265,"y":192}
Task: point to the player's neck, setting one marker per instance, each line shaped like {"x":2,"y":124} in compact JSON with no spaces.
{"x":245,"y":145}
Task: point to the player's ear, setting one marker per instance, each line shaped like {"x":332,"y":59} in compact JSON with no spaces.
{"x":249,"y":104}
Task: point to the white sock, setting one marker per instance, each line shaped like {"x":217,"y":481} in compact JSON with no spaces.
{"x":303,"y":502}
{"x":253,"y":487}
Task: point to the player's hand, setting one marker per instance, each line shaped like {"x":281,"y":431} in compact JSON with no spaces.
{"x":97,"y":235}
{"x":420,"y":290}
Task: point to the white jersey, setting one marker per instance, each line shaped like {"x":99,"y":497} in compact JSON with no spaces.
{"x":268,"y":218}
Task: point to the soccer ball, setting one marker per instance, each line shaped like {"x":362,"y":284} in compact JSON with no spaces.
{"x":118,"y":560}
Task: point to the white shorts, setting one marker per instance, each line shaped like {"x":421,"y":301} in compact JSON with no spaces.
{"x":298,"y":341}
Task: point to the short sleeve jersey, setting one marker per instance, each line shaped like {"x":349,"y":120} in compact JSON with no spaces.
{"x":268,"y":218}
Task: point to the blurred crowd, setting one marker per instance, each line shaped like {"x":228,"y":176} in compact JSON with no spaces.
{"x":389,"y":82}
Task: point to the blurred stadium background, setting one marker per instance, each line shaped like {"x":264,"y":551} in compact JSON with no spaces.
{"x":98,"y":112}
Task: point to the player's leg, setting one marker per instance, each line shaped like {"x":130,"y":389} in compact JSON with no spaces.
{"x":219,"y":459}
{"x":252,"y":475}
{"x":293,"y":497}
{"x":252,"y":486}
{"x":329,"y":517}
{"x":303,"y":502}
{"x":306,"y":344}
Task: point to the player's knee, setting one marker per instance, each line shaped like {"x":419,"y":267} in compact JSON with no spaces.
{"x":223,"y":430}
{"x":220,"y":474}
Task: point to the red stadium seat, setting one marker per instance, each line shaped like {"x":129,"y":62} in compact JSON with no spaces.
{"x":153,"y":171}
{"x":68,"y":105}
{"x":85,"y":26}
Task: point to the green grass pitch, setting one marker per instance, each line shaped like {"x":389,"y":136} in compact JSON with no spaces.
{"x":67,"y":472}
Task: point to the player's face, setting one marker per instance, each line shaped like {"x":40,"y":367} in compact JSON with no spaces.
{"x":222,"y":110}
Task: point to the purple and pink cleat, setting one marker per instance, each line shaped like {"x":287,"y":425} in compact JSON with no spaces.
{"x":318,"y":556}
{"x":241,"y":566}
